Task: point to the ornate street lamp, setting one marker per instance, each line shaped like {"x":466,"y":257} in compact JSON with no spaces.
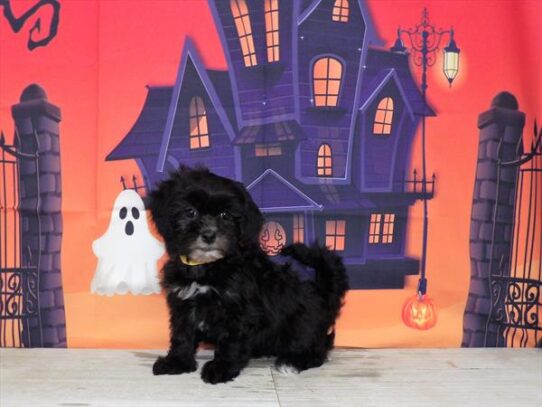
{"x":424,"y":39}
{"x":451,"y":59}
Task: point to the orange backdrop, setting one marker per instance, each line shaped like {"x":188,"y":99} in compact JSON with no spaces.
{"x":105,"y":53}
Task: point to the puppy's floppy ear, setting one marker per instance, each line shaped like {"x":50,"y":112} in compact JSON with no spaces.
{"x":252,"y":221}
{"x":160,"y":202}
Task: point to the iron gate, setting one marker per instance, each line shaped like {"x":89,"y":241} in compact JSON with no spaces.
{"x":516,"y":282}
{"x":19,"y":267}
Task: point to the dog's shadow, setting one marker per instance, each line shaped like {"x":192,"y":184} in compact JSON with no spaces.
{"x":147,"y":359}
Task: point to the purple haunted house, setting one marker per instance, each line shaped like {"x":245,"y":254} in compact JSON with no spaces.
{"x":314,"y":120}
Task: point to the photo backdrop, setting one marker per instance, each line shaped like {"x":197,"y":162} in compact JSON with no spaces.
{"x":306,"y":104}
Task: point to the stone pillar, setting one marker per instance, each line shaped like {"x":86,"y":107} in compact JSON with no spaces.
{"x":36,"y":120}
{"x":501,"y":124}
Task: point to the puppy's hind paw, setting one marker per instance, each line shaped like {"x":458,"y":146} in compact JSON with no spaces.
{"x":169,"y":365}
{"x":286,"y":370}
{"x":217,"y":371}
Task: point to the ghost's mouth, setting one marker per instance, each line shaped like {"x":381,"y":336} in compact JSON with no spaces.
{"x":129,"y":228}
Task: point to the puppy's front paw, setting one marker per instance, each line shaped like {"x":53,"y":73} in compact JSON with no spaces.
{"x":217,"y":371}
{"x":169,"y":365}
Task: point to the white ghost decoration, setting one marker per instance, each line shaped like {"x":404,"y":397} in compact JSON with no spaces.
{"x":127,"y":253}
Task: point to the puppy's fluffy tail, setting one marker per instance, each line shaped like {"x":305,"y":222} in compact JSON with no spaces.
{"x":331,"y":279}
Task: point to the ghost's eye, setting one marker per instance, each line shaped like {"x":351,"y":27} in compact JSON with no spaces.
{"x":191,"y":213}
{"x":135,"y":213}
{"x":123,"y":212}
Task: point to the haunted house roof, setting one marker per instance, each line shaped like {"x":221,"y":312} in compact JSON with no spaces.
{"x":283,"y":131}
{"x":370,"y":92}
{"x":144,"y":137}
{"x":305,"y":5}
{"x":273,"y":193}
{"x":337,"y":197}
{"x":147,"y":135}
{"x":221,"y":82}
{"x":308,"y":6}
{"x":217,"y":94}
{"x":379,"y":64}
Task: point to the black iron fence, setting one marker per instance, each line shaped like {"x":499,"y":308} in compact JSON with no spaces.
{"x":423,"y":189}
{"x":19,"y":267}
{"x":516,"y":279}
{"x":140,"y":188}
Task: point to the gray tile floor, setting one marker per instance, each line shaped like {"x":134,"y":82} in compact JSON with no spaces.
{"x":393,"y":377}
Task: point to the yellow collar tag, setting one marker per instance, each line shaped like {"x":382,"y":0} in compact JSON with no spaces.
{"x":188,"y":262}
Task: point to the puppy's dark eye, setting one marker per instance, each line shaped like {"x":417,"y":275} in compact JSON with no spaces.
{"x":191,"y":213}
{"x":226,"y":216}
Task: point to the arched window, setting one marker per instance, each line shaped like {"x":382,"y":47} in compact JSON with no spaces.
{"x":199,"y":132}
{"x":326,"y":78}
{"x":272,"y":29}
{"x":340,"y":11}
{"x":324,"y":164}
{"x":241,"y":17}
{"x":383,"y":117}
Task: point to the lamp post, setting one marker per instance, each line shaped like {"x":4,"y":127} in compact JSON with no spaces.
{"x":425,"y":41}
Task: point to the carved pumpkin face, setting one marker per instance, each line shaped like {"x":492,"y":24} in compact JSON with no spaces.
{"x":419,"y":312}
{"x":272,"y":238}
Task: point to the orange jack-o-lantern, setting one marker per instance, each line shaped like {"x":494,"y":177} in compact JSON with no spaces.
{"x":272,"y":238}
{"x":419,"y":312}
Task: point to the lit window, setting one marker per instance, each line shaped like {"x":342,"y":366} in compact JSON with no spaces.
{"x":199,"y":132}
{"x":241,"y":17}
{"x":340,"y":11}
{"x":324,"y":165}
{"x":326,"y":74}
{"x":374,"y":228}
{"x":383,"y":116}
{"x":381,"y":228}
{"x":299,"y":229}
{"x":387,"y":231}
{"x":272,"y":29}
{"x":335,"y":234}
{"x":268,"y":150}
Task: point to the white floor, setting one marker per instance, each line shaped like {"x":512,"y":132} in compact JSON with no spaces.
{"x":383,"y":378}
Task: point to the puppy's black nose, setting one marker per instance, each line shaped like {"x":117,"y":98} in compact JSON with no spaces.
{"x":208,"y":236}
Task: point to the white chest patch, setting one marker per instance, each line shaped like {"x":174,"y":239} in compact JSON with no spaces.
{"x":192,"y":290}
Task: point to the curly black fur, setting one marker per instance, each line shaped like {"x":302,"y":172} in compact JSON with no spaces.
{"x":242,"y":303}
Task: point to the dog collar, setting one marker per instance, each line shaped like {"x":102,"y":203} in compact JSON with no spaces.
{"x":185,"y":260}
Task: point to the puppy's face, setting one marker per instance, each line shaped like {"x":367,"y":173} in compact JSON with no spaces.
{"x":203,"y":216}
{"x":206,"y":225}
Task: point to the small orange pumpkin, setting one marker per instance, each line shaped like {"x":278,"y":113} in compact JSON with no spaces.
{"x":419,"y":312}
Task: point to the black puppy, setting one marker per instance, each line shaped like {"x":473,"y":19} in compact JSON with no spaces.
{"x":223,"y":289}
